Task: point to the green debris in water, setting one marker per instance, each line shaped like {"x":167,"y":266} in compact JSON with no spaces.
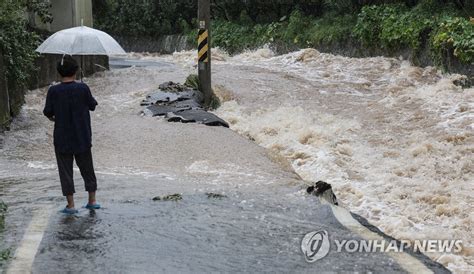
{"x":5,"y":255}
{"x":192,"y":81}
{"x":173,"y":197}
{"x":3,"y":211}
{"x":211,"y":195}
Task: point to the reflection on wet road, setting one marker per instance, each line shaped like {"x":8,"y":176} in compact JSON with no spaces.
{"x":243,"y":232}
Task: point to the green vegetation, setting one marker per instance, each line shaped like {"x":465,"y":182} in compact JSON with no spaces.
{"x":192,"y":81}
{"x":442,"y":27}
{"x":388,"y":27}
{"x":444,"y":30}
{"x":16,"y":42}
{"x":4,"y":254}
{"x":144,"y":18}
{"x":298,"y":30}
{"x":456,"y":35}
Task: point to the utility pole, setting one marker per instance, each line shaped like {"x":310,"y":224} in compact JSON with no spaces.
{"x":204,"y":49}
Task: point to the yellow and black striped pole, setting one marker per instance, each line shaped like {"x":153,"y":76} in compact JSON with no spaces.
{"x":203,"y":46}
{"x":204,"y":50}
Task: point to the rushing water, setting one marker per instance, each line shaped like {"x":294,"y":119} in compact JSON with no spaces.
{"x":266,"y":210}
{"x":396,"y":141}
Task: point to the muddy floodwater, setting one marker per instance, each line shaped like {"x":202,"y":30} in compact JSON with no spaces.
{"x":395,"y":141}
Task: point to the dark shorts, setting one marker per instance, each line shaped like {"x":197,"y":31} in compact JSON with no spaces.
{"x":86,"y":166}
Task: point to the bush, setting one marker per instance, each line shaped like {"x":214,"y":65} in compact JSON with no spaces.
{"x":372,"y":22}
{"x":17,"y":43}
{"x":404,"y":28}
{"x":233,"y":37}
{"x":454,"y":34}
{"x":396,"y":26}
{"x":299,"y":30}
{"x":331,"y":29}
{"x":144,"y":18}
{"x":296,"y":30}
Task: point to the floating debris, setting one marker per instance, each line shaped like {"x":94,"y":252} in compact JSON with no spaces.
{"x":211,"y":195}
{"x":3,"y":211}
{"x":173,"y":197}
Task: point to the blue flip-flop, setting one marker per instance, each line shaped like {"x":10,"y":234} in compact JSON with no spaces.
{"x":94,"y":206}
{"x":69,"y":211}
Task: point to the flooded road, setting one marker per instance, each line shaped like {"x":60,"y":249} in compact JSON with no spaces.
{"x":356,"y":123}
{"x":396,"y":141}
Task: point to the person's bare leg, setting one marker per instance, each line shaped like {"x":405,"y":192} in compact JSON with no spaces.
{"x":92,"y":200}
{"x":70,"y":201}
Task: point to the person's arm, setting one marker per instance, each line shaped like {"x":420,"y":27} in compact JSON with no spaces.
{"x":91,"y":102}
{"x":49,"y":106}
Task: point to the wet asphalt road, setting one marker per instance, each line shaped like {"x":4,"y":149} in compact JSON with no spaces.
{"x":257,"y":227}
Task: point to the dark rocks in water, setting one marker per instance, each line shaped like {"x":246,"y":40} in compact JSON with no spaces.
{"x":173,"y":87}
{"x":174,"y":117}
{"x":186,"y":104}
{"x":184,"y":91}
{"x":192,"y":94}
{"x":180,"y":103}
{"x":211,"y":195}
{"x":3,"y":212}
{"x":196,"y":116}
{"x":159,"y":110}
{"x":324,"y":191}
{"x":160,"y":97}
{"x":173,"y":197}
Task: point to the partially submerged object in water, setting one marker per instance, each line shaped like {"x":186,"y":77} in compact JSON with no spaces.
{"x":211,"y":195}
{"x":160,"y":97}
{"x":172,"y":197}
{"x":324,"y":191}
{"x":180,"y":103}
{"x":196,"y":116}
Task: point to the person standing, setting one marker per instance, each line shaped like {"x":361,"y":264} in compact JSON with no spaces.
{"x":68,"y":105}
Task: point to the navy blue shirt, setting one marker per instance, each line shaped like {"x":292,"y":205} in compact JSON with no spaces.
{"x":69,"y":104}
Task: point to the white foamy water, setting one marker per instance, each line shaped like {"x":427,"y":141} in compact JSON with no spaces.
{"x":395,"y":141}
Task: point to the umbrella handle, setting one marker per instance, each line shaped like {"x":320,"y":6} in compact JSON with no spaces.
{"x":82,"y":70}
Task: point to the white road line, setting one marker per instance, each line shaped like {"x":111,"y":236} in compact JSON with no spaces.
{"x":24,"y":257}
{"x":405,"y":260}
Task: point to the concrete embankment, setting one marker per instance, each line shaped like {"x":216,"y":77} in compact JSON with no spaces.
{"x":348,"y":47}
{"x":165,"y":44}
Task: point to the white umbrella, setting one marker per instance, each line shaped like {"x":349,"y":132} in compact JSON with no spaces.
{"x":81,"y":41}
